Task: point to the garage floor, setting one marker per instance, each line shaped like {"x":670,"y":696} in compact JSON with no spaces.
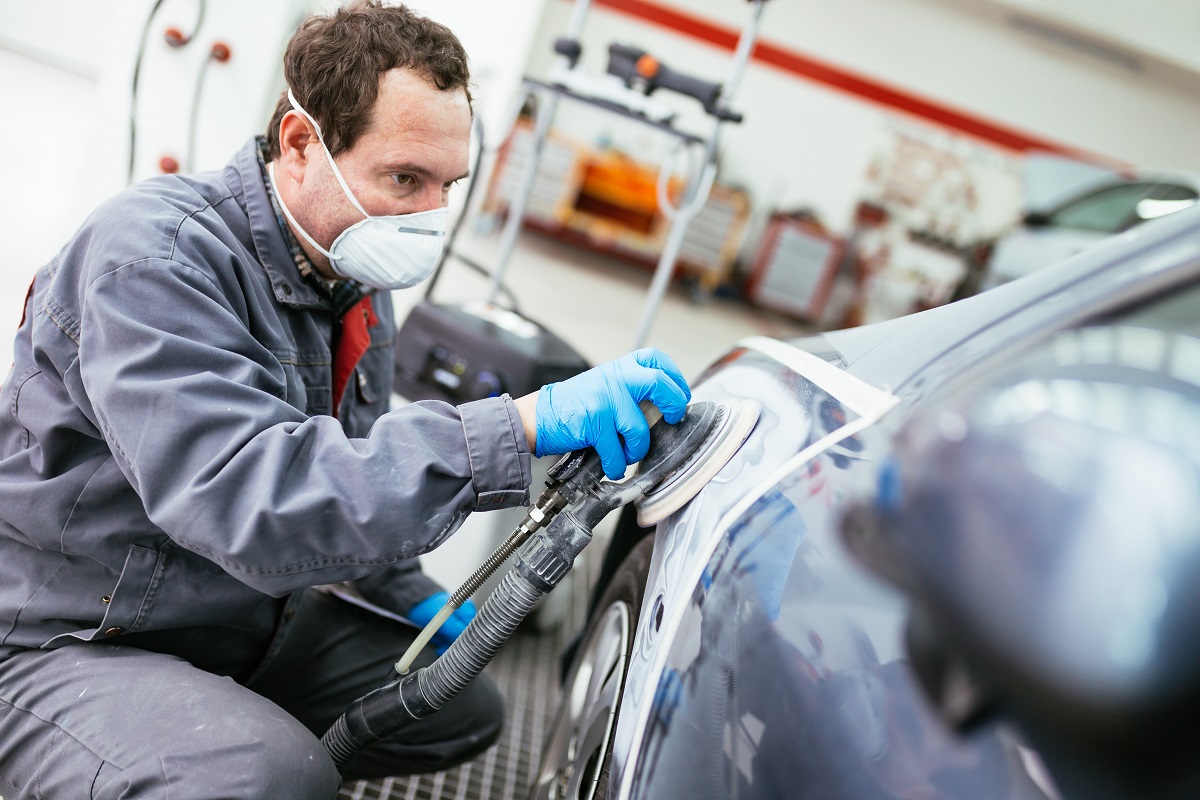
{"x":596,"y":305}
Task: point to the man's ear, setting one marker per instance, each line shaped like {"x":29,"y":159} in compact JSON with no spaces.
{"x":295,"y":135}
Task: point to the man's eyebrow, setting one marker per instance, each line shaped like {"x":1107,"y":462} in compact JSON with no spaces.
{"x":423,"y":171}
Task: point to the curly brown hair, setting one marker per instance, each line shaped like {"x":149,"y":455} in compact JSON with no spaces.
{"x":333,"y":64}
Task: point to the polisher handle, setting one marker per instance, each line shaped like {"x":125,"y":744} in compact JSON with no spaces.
{"x":650,"y":412}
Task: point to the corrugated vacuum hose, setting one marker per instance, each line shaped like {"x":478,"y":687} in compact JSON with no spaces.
{"x":541,"y":564}
{"x":576,"y":499}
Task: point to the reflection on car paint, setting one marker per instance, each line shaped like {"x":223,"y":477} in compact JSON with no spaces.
{"x":832,"y":664}
{"x":827,"y":681}
{"x":1097,"y":430}
{"x":860,"y":701}
{"x":767,"y":370}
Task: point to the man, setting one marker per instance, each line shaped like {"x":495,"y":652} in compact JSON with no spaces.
{"x":195,"y":433}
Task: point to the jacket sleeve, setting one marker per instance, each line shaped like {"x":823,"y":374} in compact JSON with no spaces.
{"x":193,"y":408}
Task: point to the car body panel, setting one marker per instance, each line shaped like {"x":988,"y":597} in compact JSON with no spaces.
{"x":1047,"y":517}
{"x":709,"y":591}
{"x":834,"y":406}
{"x":787,"y":657}
{"x":799,"y":685}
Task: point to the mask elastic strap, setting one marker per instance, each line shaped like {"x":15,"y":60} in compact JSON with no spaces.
{"x":337,"y":173}
{"x":291,"y":219}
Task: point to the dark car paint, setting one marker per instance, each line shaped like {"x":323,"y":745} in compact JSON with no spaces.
{"x":800,"y":686}
{"x":1071,"y":587}
{"x":818,"y":698}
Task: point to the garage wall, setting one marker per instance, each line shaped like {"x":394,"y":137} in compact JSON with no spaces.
{"x":497,"y":63}
{"x":66,"y":67}
{"x":1167,"y":29}
{"x":807,"y":144}
{"x":66,"y":72}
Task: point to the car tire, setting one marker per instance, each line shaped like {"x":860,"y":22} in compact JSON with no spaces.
{"x":577,"y":757}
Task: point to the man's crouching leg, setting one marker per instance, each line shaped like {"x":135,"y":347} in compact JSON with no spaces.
{"x":331,"y":653}
{"x":109,"y":721}
{"x":461,"y":730}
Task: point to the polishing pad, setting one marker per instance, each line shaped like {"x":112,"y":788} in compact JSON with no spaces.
{"x":735,"y":420}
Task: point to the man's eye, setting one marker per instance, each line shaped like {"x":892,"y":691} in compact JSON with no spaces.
{"x":404,"y":180}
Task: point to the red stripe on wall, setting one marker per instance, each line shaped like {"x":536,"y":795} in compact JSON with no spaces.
{"x":845,"y":81}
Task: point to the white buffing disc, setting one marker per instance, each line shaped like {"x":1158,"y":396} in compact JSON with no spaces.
{"x":737,"y":421}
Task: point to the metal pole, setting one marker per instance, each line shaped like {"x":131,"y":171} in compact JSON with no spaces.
{"x":516,"y":206}
{"x":662,"y":272}
{"x":697,"y":183}
{"x":741,"y":56}
{"x":519,"y":202}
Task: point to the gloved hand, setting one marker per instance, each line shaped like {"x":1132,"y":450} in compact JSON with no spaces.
{"x":427,"y":609}
{"x":599,"y":408}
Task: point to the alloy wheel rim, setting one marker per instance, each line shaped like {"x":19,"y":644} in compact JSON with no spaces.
{"x":579,"y":745}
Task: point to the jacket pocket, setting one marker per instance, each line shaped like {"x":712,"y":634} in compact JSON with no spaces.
{"x":376,"y":370}
{"x":368,"y":397}
{"x":129,"y":603}
{"x":369,"y":391}
{"x":15,"y":404}
{"x":318,"y":400}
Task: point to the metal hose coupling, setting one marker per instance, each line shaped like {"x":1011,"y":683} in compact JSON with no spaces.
{"x":541,"y":564}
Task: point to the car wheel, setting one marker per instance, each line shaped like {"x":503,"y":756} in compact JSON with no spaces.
{"x":578,"y":753}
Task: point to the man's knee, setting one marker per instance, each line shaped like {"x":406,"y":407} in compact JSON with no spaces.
{"x":272,"y":761}
{"x":462,"y":729}
{"x":112,"y":721}
{"x":297,"y":766}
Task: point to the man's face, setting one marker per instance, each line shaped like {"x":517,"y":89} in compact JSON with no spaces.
{"x":414,"y":148}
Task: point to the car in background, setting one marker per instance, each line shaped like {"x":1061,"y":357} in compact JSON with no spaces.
{"x":1088,"y":216}
{"x":957,"y":557}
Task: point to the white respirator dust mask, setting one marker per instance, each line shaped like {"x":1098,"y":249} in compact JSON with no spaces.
{"x":388,"y":252}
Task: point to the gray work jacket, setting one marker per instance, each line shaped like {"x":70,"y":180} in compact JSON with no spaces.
{"x":168,"y":458}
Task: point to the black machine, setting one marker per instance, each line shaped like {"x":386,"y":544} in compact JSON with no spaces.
{"x":459,"y":353}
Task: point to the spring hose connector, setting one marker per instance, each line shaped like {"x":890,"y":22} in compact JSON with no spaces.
{"x":543,"y":512}
{"x":540,"y":514}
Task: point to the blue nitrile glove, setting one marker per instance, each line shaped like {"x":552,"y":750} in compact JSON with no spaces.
{"x":599,"y":408}
{"x":427,"y":609}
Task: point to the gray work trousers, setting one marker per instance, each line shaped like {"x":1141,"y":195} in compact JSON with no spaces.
{"x":104,"y":720}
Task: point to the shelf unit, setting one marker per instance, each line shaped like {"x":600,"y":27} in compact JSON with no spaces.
{"x":606,"y":201}
{"x":794,"y":268}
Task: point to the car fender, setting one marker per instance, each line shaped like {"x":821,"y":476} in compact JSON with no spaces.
{"x":785,"y":379}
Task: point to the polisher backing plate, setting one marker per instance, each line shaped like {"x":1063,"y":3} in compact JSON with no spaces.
{"x":736,"y":421}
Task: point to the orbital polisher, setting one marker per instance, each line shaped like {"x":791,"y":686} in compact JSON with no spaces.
{"x":682,"y":458}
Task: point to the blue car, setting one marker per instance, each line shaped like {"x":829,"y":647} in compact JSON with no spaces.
{"x":958,"y":556}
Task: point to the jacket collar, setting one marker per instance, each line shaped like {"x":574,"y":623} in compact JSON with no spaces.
{"x":246,"y":176}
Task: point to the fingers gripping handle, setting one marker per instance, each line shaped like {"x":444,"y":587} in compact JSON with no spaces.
{"x":599,"y":408}
{"x":650,"y":412}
